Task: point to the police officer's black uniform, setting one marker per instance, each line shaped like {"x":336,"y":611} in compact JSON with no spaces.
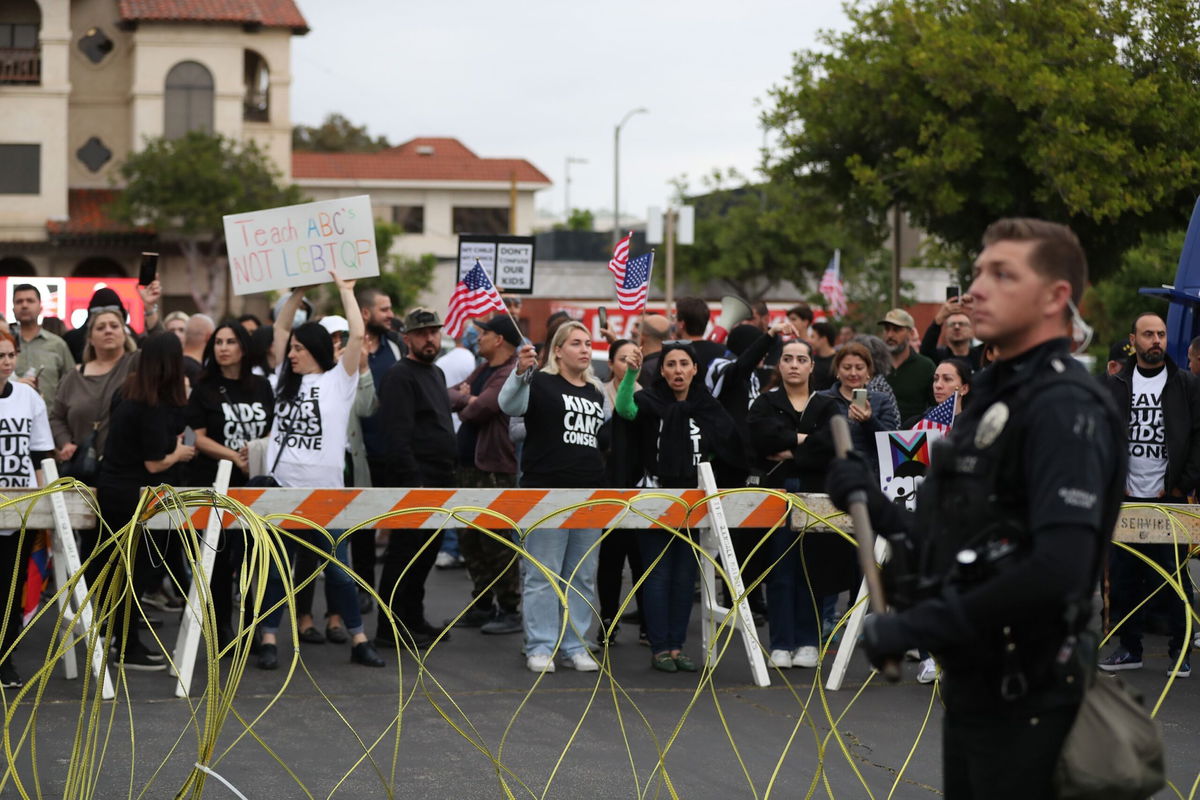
{"x":1003,"y":554}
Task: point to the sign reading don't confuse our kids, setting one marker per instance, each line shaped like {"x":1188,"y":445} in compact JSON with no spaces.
{"x":279,"y":248}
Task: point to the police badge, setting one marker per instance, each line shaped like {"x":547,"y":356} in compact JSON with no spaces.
{"x":993,"y":422}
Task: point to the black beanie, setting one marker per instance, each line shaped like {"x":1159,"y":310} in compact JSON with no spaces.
{"x":741,"y":337}
{"x":104,"y":297}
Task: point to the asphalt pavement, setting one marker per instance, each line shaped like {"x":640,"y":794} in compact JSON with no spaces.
{"x":472,"y":722}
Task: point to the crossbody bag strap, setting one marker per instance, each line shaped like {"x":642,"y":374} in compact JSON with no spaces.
{"x":284,"y":431}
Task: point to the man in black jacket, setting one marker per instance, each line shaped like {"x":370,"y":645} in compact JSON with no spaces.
{"x":414,"y":410}
{"x":1162,"y":404}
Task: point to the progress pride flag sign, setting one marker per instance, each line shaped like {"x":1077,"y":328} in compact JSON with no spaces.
{"x":279,"y":248}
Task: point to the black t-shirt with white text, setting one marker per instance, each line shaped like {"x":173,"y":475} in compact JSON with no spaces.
{"x":560,"y":434}
{"x":230,"y":415}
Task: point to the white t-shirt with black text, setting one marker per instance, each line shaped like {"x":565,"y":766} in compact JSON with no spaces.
{"x":24,"y":428}
{"x":315,"y":427}
{"x":1147,"y":436}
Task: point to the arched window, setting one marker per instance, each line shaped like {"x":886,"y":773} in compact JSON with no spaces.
{"x":15,"y":266}
{"x":256,"y":103}
{"x":188,"y":99}
{"x":98,"y":267}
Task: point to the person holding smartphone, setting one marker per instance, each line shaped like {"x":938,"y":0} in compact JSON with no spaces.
{"x":952,"y":319}
{"x":868,"y":411}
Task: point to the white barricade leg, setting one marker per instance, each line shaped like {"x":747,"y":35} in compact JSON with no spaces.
{"x":850,"y":633}
{"x":64,"y":545}
{"x":64,"y":607}
{"x":191,"y":627}
{"x":743,"y":617}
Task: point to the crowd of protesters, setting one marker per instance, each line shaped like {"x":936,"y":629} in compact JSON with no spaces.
{"x":369,"y":398}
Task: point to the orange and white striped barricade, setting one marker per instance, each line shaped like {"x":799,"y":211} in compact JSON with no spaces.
{"x":65,"y":557}
{"x":525,"y":510}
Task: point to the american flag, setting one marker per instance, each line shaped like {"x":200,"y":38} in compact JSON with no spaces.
{"x":474,"y":296}
{"x":632,"y":289}
{"x":940,"y":417}
{"x":831,"y":285}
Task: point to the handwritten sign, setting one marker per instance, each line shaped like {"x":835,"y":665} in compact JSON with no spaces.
{"x":279,"y":248}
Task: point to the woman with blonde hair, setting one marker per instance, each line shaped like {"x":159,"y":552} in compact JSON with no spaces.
{"x":79,"y":414}
{"x":561,"y":451}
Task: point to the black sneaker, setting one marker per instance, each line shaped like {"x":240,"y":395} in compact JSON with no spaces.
{"x":1185,"y":669}
{"x":9,"y":679}
{"x":140,"y":658}
{"x":504,"y":622}
{"x":474,"y":617}
{"x":363,"y":653}
{"x":1120,"y":659}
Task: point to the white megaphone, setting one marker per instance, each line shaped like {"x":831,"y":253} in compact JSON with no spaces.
{"x":734,"y":310}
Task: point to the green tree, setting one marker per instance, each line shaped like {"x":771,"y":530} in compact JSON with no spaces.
{"x":1112,"y":304}
{"x":183,"y":187}
{"x":1080,"y":111}
{"x":753,"y":236}
{"x":581,"y":219}
{"x":337,"y":135}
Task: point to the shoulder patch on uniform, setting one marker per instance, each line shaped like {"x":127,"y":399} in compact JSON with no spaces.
{"x":993,"y":422}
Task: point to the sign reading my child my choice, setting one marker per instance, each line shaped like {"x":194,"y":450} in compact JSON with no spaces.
{"x":279,"y":248}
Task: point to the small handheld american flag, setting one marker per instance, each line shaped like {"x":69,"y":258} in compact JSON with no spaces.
{"x":940,"y":417}
{"x":632,"y":278}
{"x":474,"y":296}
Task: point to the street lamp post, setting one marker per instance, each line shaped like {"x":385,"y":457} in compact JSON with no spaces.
{"x":617,"y":172}
{"x":567,"y":186}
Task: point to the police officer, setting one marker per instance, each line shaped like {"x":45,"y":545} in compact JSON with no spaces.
{"x":994,"y":573}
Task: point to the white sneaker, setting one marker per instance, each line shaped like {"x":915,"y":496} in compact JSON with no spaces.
{"x":805,"y":657}
{"x":444,"y":560}
{"x":540,"y":662}
{"x":580,"y":662}
{"x":780,"y":659}
{"x":927,"y":672}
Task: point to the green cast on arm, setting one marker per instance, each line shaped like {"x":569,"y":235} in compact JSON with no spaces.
{"x":626,"y":405}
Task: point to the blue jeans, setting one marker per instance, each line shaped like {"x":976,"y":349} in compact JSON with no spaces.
{"x":563,"y":552}
{"x":340,"y":587}
{"x":791,"y":607}
{"x":667,"y":592}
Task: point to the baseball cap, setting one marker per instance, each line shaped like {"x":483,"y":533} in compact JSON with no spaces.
{"x":421,"y":317}
{"x":503,"y":325}
{"x":334,"y":323}
{"x":898,"y":317}
{"x":1120,"y":350}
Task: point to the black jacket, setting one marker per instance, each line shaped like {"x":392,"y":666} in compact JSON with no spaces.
{"x":414,"y":410}
{"x":1181,"y":418}
{"x":773,"y":425}
{"x":930,"y":349}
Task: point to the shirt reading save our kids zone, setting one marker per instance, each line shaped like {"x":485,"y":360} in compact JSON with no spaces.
{"x":1147,"y":435}
{"x":312,"y":431}
{"x":24,"y":429}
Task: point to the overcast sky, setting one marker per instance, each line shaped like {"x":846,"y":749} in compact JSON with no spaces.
{"x":547,"y":79}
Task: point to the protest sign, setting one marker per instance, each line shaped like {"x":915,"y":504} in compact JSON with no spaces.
{"x":279,"y":248}
{"x":507,"y":260}
{"x":903,"y":461}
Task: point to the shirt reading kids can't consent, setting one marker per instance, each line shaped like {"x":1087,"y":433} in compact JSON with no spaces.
{"x":561,"y":425}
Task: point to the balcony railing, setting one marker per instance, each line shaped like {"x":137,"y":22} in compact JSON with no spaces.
{"x":20,"y":65}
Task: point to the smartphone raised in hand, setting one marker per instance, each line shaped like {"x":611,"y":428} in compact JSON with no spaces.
{"x":860,"y":398}
{"x":602,"y":315}
{"x":148,"y":272}
{"x":953,"y":292}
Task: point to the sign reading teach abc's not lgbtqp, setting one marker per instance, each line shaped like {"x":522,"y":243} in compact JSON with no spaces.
{"x":279,"y":248}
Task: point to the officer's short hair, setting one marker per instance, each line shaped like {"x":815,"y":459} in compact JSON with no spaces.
{"x":693,"y":313}
{"x":1194,"y":346}
{"x":1057,"y":253}
{"x":1155,"y":314}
